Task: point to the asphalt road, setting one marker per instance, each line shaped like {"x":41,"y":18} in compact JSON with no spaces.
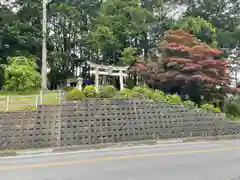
{"x":191,"y":161}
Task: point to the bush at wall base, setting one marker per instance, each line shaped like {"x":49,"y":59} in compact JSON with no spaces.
{"x":107,"y":92}
{"x":136,"y":92}
{"x":210,"y":107}
{"x":90,"y":91}
{"x":75,"y":94}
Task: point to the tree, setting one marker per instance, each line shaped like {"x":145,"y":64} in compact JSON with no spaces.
{"x":222,"y":14}
{"x":20,"y":31}
{"x":200,"y":28}
{"x":21,"y":74}
{"x":69,"y":22}
{"x":190,"y":67}
{"x":100,"y":31}
{"x":120,"y":24}
{"x":64,"y":24}
{"x":129,"y":55}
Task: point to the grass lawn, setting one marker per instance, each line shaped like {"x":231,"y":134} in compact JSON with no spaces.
{"x":236,"y":120}
{"x":14,"y":101}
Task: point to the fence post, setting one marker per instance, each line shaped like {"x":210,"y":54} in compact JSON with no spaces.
{"x":7,"y":103}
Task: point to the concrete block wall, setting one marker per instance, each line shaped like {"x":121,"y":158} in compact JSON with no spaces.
{"x":94,"y":121}
{"x":29,"y":129}
{"x":103,"y":121}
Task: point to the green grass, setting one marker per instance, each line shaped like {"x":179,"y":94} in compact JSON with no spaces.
{"x":26,"y":102}
{"x":236,"y":120}
{"x":7,"y":152}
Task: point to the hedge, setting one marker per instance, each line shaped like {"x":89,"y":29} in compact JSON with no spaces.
{"x":136,"y":92}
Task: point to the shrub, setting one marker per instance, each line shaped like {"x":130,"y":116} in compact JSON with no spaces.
{"x":217,"y":110}
{"x":75,"y":94}
{"x":173,"y":99}
{"x":139,"y":92}
{"x":127,"y":93}
{"x":143,"y":91}
{"x":21,"y":75}
{"x":189,"y":103}
{"x":158,"y":96}
{"x":232,"y":107}
{"x":107,"y":92}
{"x":90,"y":91}
{"x":210,"y":107}
{"x":206,"y":106}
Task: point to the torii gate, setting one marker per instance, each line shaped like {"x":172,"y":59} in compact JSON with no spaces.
{"x":98,"y":69}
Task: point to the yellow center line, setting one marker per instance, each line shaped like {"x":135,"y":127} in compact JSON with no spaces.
{"x":118,"y":158}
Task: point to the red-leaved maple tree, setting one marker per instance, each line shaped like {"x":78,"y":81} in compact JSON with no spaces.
{"x":186,"y":61}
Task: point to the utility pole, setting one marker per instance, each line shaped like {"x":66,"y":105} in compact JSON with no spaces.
{"x":44,"y":45}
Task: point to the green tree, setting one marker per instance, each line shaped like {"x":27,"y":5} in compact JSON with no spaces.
{"x":21,"y":74}
{"x":120,"y":24}
{"x":222,"y":14}
{"x":20,"y":31}
{"x":129,"y":55}
{"x":69,"y":23}
{"x":102,"y":31}
{"x":199,"y":27}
